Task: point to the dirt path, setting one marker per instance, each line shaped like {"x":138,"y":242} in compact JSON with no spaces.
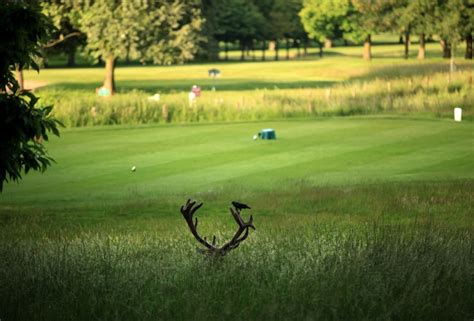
{"x":34,"y":84}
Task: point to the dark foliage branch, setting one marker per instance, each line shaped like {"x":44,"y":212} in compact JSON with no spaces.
{"x":61,"y":39}
{"x":23,"y":124}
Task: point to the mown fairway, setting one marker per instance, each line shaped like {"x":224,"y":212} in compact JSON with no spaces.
{"x":358,"y":218}
{"x":221,"y":162}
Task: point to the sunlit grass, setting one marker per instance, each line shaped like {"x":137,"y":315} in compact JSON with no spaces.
{"x":340,"y":84}
{"x":93,"y":164}
{"x":311,"y":91}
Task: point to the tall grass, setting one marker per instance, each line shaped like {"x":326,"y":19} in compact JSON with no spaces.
{"x":434,"y":95}
{"x":302,"y":272}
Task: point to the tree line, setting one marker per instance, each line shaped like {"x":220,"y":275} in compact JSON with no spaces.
{"x":295,"y":22}
{"x":169,"y":32}
{"x":357,"y":20}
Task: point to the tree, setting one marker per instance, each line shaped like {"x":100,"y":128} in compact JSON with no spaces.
{"x":159,"y":31}
{"x":454,"y":21}
{"x":402,"y":19}
{"x":417,"y":16}
{"x":238,"y":20}
{"x":23,"y":125}
{"x":324,"y":19}
{"x":225,"y":22}
{"x":422,"y":17}
{"x":109,"y":31}
{"x":209,"y":46}
{"x":277,"y":28}
{"x":68,"y":36}
{"x":170,"y":32}
{"x":366,"y":17}
{"x":280,"y":20}
{"x":467,"y":25}
{"x":292,"y":26}
{"x":266,"y":30}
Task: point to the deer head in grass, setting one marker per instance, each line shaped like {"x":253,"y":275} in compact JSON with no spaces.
{"x":242,"y":233}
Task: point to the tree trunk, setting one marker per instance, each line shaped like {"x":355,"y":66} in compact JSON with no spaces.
{"x":226,"y":49}
{"x":211,"y":50}
{"x":305,"y":49}
{"x":127,"y":55}
{"x":263,"y":49}
{"x":451,"y":61}
{"x":287,"y":49}
{"x":242,"y":51}
{"x":407,"y":44}
{"x":298,"y":49}
{"x":421,"y":49}
{"x":252,"y":46}
{"x":109,"y":82}
{"x":276,"y":49}
{"x":328,"y":43}
{"x":468,"y":46}
{"x":271,"y":45}
{"x":71,"y":57}
{"x":215,"y":50}
{"x":367,"y":48}
{"x":446,"y":48}
{"x":19,"y":77}
{"x":45,"y":61}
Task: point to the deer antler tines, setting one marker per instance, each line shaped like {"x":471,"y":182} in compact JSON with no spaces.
{"x":190,"y":208}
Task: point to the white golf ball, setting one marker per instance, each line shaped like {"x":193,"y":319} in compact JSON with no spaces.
{"x":134,"y":168}
{"x":255,"y":137}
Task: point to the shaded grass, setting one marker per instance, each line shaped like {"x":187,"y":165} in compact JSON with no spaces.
{"x":446,"y":203}
{"x":323,"y":272}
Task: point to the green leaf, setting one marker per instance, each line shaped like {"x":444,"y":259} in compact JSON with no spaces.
{"x":55,"y":130}
{"x":34,"y":65}
{"x":47,"y":110}
{"x":28,"y":94}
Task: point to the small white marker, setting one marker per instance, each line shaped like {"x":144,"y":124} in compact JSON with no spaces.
{"x":457,"y":114}
{"x":134,"y":168}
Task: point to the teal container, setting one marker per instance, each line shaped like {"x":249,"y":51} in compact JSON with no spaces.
{"x":267,"y":133}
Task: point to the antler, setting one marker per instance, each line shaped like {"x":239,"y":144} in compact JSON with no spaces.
{"x":188,"y":211}
{"x":243,"y":227}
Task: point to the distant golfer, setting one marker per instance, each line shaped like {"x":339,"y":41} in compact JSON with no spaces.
{"x":239,"y":206}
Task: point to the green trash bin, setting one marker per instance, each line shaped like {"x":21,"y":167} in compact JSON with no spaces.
{"x":267,"y":133}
